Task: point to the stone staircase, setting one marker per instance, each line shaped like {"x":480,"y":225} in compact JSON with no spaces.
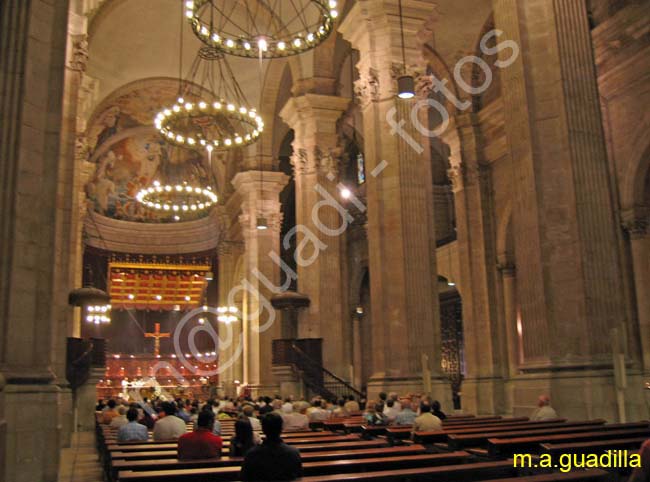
{"x":80,"y":462}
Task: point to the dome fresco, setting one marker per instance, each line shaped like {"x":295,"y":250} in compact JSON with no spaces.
{"x":129,"y":153}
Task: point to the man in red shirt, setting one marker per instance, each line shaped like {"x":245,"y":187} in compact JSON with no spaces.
{"x":202,"y":443}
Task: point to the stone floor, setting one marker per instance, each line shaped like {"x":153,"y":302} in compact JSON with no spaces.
{"x":80,"y":462}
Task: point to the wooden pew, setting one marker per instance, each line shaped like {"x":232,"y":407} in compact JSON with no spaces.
{"x":414,"y":449}
{"x":595,"y":447}
{"x":309,"y":468}
{"x":394,"y":432}
{"x":500,"y":447}
{"x":481,"y":419}
{"x":476,"y":439}
{"x":446,"y":473}
{"x":168,"y":444}
{"x":573,"y":476}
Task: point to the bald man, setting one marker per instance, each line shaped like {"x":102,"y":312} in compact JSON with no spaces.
{"x":544,"y":411}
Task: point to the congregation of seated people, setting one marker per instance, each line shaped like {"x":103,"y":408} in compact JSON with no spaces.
{"x":255,"y":427}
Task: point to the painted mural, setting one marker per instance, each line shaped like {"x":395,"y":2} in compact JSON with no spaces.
{"x":129,"y":154}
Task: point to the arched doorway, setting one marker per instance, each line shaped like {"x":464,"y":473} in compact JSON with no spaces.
{"x":452,"y":358}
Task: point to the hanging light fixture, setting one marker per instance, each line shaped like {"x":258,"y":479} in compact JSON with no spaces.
{"x":249,"y":28}
{"x":176,"y":193}
{"x":227,"y":314}
{"x":211,"y":111}
{"x":262,"y":224}
{"x":95,"y":304}
{"x":405,"y":83}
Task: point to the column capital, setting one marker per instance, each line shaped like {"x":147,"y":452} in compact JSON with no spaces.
{"x":311,"y":115}
{"x":373,"y":28}
{"x":260,"y":184}
{"x":260,"y":194}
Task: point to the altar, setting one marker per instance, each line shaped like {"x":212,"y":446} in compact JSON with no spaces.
{"x":148,"y":375}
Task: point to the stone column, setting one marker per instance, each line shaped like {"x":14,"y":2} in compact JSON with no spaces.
{"x":259,"y":193}
{"x":32,"y":61}
{"x":565,"y":234}
{"x":401,"y":237}
{"x":471,"y":182}
{"x":509,"y":282}
{"x":511,"y":340}
{"x":313,"y":118}
{"x":71,"y":209}
{"x":357,"y":361}
{"x":637,"y":224}
{"x":229,"y":254}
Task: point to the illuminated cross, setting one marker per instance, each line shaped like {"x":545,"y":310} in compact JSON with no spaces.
{"x":156,"y":335}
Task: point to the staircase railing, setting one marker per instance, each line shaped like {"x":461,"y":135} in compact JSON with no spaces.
{"x":315,"y":376}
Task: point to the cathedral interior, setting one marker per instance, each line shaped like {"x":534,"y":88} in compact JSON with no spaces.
{"x":448,"y":197}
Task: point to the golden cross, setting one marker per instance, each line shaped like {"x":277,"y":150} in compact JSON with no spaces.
{"x":156,"y":335}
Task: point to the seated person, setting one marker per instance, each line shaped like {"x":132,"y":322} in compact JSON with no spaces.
{"x":169,"y":426}
{"x":273,"y":460}
{"x":249,"y":412}
{"x":120,"y":420}
{"x":352,"y":405}
{"x":544,"y":411}
{"x":407,"y":415}
{"x":375,"y":414}
{"x":201,"y":443}
{"x":390,"y":411}
{"x":426,"y":422}
{"x":244,"y":438}
{"x":340,"y":411}
{"x":435,"y":409}
{"x":109,"y":413}
{"x":292,"y":421}
{"x":318,"y":413}
{"x":132,"y":431}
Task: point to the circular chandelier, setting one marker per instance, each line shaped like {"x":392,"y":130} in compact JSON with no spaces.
{"x":177,"y":199}
{"x":256,"y":28}
{"x":211,"y":114}
{"x":194,"y":124}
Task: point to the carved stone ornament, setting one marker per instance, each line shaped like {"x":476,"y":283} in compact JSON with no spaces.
{"x":79,"y":56}
{"x":366,"y":88}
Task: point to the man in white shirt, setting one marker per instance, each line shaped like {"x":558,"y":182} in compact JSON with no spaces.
{"x":318,"y":414}
{"x":293,"y":421}
{"x":169,"y":427}
{"x":390,"y":412}
{"x":544,"y":411}
{"x":249,"y":412}
{"x":120,"y":420}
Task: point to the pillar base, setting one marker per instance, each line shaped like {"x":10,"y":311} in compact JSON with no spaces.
{"x":483,"y":396}
{"x":31,"y":437}
{"x":290,"y":382}
{"x":66,"y":414}
{"x":85,"y":400}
